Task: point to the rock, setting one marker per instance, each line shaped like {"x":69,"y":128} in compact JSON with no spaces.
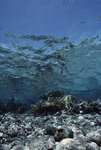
{"x":28,"y":127}
{"x":43,"y":143}
{"x":18,"y":121}
{"x":69,"y":133}
{"x":12,"y":139}
{"x":6,"y":147}
{"x":14,"y":134}
{"x":67,"y":144}
{"x":92,"y":146}
{"x":62,"y":130}
{"x":18,"y":147}
{"x":94,"y":136}
{"x":26,"y":148}
{"x":50,"y":130}
{"x":63,"y":134}
{"x":82,"y":147}
{"x":1,"y":134}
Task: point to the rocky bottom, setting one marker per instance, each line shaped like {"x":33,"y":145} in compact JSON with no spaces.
{"x":59,"y":131}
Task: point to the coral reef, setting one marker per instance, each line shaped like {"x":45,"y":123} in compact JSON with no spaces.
{"x":12,"y":105}
{"x":52,"y":95}
{"x":55,"y":102}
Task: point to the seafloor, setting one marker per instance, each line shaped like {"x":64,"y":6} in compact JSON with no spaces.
{"x":77,"y":127}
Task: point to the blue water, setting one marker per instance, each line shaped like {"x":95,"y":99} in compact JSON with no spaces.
{"x":48,"y":45}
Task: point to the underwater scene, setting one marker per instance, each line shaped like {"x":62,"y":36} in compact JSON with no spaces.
{"x":50,"y":75}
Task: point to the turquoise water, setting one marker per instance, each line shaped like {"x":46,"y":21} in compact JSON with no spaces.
{"x":28,"y":71}
{"x":50,"y":45}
